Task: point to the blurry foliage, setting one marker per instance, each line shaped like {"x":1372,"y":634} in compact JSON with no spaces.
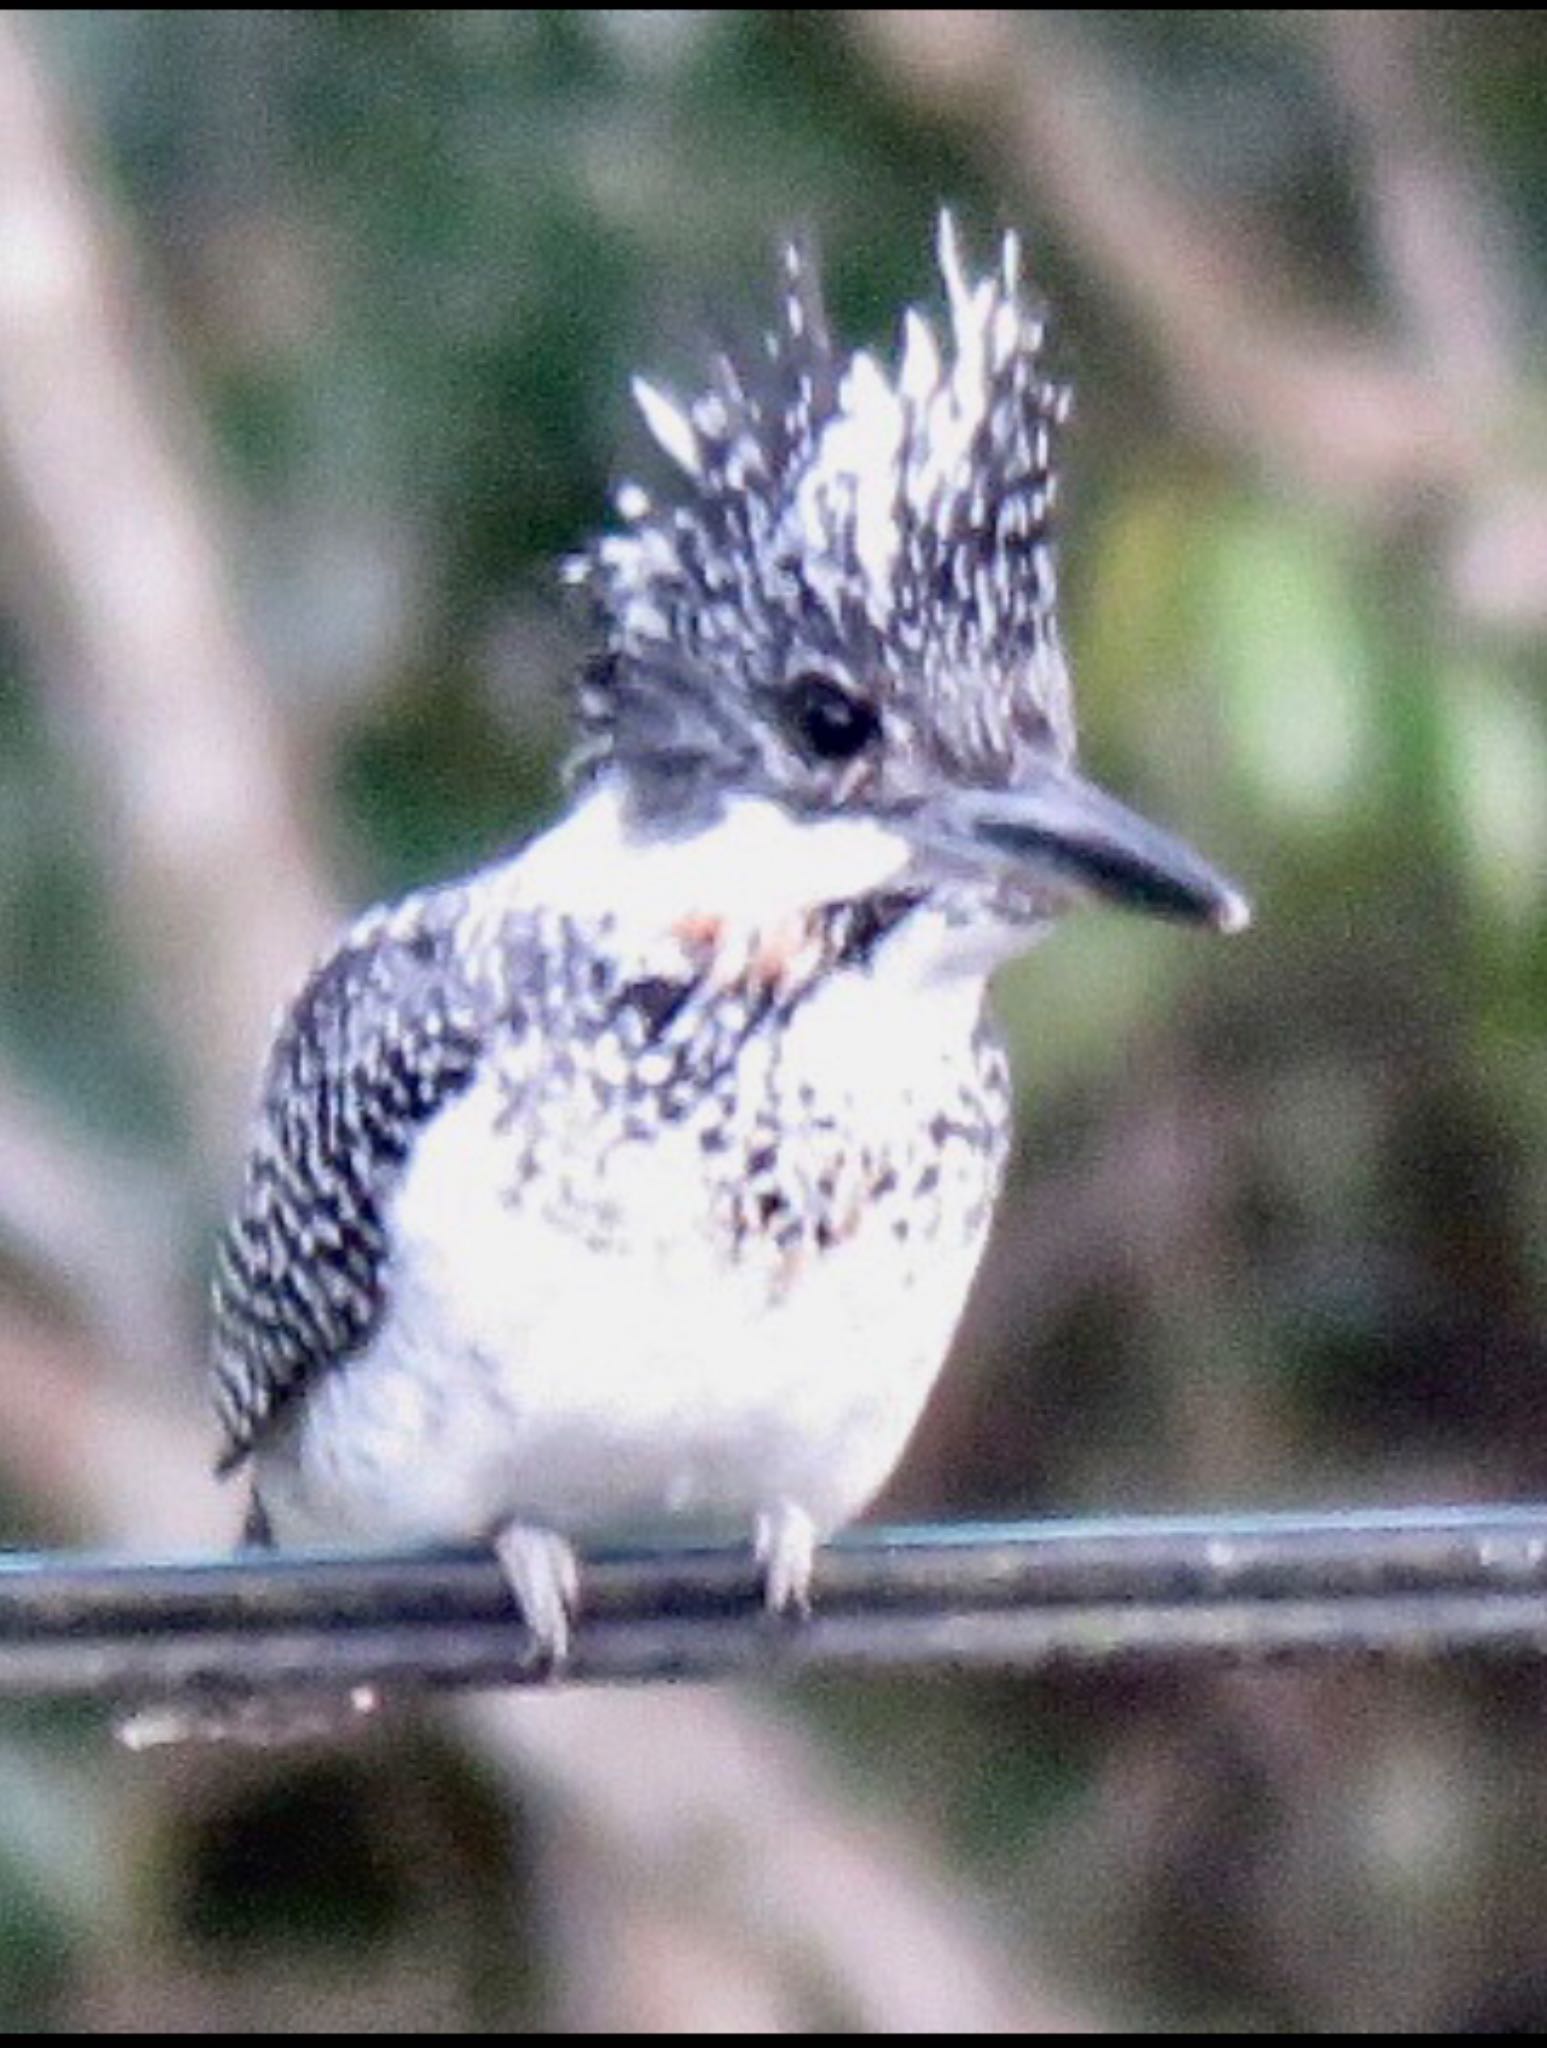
{"x":407,"y":261}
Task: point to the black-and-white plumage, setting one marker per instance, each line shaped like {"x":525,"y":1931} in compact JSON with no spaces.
{"x":386,"y":1033}
{"x":639,"y":1179}
{"x":891,"y":530}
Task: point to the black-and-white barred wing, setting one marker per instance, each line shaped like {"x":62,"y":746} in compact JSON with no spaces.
{"x":387,"y":1031}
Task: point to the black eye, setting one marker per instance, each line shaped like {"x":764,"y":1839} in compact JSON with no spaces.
{"x":829,"y":722}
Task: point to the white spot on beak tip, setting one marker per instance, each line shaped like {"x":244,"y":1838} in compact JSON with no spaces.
{"x":1233,"y":915}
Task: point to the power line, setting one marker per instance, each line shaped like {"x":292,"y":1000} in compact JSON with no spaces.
{"x":1140,"y":1592}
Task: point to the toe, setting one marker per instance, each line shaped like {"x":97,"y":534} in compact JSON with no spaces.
{"x":785,"y":1540}
{"x":543,"y":1575}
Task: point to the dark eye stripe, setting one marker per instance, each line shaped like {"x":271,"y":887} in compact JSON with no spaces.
{"x":829,"y":722}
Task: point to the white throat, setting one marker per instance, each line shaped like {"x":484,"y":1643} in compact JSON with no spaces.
{"x":754,"y":866}
{"x":753,"y":869}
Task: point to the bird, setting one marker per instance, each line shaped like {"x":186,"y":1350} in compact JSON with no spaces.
{"x":634,"y":1184}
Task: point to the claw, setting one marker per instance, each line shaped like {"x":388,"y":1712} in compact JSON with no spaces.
{"x":543,"y":1575}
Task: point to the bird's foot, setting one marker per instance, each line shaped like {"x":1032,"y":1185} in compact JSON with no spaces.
{"x":785,"y":1541}
{"x":543,"y":1575}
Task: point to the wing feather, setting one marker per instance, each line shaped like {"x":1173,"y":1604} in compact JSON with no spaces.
{"x":387,"y":1031}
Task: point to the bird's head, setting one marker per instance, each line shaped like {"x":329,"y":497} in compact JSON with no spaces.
{"x":846,"y":605}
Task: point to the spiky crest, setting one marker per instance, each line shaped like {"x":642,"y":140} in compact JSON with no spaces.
{"x":887,"y":525}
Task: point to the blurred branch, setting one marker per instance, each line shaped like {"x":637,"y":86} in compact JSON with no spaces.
{"x":1020,"y":1597}
{"x":121,"y":592}
{"x":1076,"y":1226}
{"x":96,"y":1455}
{"x":1319,"y":404}
{"x":1444,"y":248}
{"x":89,"y":1232}
{"x":630,"y":1963}
{"x":1447,"y":250}
{"x":847,"y":1906}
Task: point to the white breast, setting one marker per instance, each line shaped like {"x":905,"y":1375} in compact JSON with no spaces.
{"x":585,"y":1352}
{"x":581,"y":1330}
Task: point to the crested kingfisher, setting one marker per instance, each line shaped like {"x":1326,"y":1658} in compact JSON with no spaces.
{"x":635,"y":1183}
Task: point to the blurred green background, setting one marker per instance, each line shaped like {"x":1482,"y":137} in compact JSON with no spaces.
{"x":1278,"y":1232}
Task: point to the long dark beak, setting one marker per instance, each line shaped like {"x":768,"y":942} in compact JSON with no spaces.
{"x":1061,"y":830}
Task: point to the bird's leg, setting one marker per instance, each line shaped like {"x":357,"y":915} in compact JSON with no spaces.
{"x":785,"y":1540}
{"x":543,"y":1575}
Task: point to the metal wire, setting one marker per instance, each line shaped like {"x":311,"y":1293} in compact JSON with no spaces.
{"x":1024,"y":1597}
